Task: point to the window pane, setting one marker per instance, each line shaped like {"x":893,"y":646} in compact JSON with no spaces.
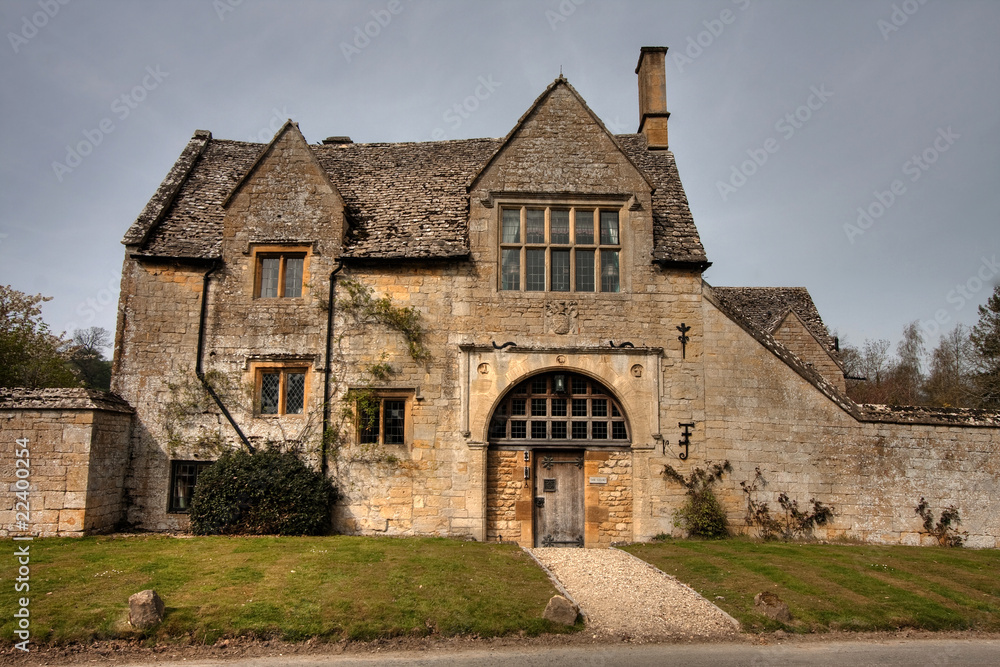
{"x":579,"y":386}
{"x":393,"y":416}
{"x":518,"y":429}
{"x":579,"y":407}
{"x":538,"y":407}
{"x":293,"y":276}
{"x":580,"y":430}
{"x":560,"y":270}
{"x":599,"y":430}
{"x":584,"y":226}
{"x":185,"y":477}
{"x":511,"y":226}
{"x":269,"y":268}
{"x":618,"y":431}
{"x":295,"y":393}
{"x":599,"y":407}
{"x":535,"y":270}
{"x":558,"y":407}
{"x":535,"y":225}
{"x":269,"y":385}
{"x":559,"y":221}
{"x":558,"y":429}
{"x":609,"y":227}
{"x":498,"y":427}
{"x":368,"y":421}
{"x":518,"y":406}
{"x":539,"y":385}
{"x":584,"y":270}
{"x":511,"y":270}
{"x":538,"y":430}
{"x":609,"y":271}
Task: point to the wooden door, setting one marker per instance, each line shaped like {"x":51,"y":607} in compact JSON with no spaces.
{"x":558,"y":508}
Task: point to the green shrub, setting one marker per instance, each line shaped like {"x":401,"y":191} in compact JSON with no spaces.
{"x":701,"y":514}
{"x":266,"y":493}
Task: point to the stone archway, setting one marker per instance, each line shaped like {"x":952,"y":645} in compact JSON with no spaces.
{"x":559,"y":463}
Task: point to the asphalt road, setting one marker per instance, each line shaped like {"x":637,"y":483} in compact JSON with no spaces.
{"x":834,"y":654}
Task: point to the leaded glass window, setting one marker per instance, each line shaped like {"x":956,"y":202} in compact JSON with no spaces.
{"x":575,"y":249}
{"x":584,"y":412}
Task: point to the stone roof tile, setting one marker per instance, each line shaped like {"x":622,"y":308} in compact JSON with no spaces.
{"x":403,"y":200}
{"x":68,"y":398}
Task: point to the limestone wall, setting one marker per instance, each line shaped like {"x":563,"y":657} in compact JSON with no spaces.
{"x":761,"y":413}
{"x":76,"y":444}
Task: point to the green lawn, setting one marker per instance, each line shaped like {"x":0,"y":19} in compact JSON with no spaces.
{"x":293,"y":588}
{"x":840,"y":587}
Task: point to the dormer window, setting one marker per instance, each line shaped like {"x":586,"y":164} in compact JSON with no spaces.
{"x":559,"y":249}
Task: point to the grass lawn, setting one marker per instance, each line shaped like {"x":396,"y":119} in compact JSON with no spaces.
{"x":293,"y":588}
{"x":840,"y":587}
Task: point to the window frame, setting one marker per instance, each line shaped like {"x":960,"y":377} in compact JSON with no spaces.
{"x":527,"y":250}
{"x":282,"y":252}
{"x":172,"y":507}
{"x":405,"y":397}
{"x":518,"y":413}
{"x":283,"y":370}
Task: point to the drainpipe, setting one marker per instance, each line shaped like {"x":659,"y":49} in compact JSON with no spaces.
{"x":326,"y":371}
{"x":201,"y":348}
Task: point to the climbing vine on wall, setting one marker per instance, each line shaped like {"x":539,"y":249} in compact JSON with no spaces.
{"x":361,"y":303}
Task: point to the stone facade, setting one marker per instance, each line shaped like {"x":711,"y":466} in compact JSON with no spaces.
{"x":73,"y":443}
{"x":382,"y":230}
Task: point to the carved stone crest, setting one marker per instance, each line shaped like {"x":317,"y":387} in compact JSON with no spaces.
{"x":561,"y":316}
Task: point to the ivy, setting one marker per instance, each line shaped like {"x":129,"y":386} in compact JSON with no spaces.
{"x":361,"y":303}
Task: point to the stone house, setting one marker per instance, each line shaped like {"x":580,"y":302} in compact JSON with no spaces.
{"x":565,"y":350}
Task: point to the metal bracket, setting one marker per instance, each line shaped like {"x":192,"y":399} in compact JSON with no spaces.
{"x":685,"y":440}
{"x":548,"y":462}
{"x":547,"y":541}
{"x":683,"y":338}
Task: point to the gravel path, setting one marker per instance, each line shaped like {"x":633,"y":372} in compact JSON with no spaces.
{"x":627,"y":598}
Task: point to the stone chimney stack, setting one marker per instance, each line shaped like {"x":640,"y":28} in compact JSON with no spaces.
{"x":653,"y":112}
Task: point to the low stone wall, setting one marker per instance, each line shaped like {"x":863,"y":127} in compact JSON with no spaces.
{"x":63,"y":459}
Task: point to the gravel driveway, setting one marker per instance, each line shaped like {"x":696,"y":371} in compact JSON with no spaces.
{"x":630,"y":599}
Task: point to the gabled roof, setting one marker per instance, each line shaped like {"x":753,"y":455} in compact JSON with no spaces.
{"x":560,"y":81}
{"x":767,"y":307}
{"x":402,"y":200}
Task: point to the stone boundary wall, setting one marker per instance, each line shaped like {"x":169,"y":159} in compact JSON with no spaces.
{"x":873,"y":467}
{"x":77,"y":443}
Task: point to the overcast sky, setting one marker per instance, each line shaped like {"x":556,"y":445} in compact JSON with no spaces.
{"x":786,"y":119}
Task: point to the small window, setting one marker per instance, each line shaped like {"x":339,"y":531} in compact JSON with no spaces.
{"x":279,"y":275}
{"x":183,"y":477}
{"x":281,"y":391}
{"x":382,"y":421}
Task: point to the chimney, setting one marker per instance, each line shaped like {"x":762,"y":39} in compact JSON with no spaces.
{"x":653,"y":112}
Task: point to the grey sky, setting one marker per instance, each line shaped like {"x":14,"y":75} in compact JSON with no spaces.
{"x":924,"y":82}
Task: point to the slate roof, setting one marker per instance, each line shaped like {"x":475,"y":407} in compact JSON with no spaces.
{"x":766,"y":307}
{"x":403,"y":200}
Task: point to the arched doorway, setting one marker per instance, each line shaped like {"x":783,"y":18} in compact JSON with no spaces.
{"x":552,"y":423}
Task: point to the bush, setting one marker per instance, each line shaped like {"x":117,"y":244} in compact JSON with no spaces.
{"x":266,"y":493}
{"x":701,"y":514}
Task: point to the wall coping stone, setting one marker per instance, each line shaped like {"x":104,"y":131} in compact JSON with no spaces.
{"x":64,"y":398}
